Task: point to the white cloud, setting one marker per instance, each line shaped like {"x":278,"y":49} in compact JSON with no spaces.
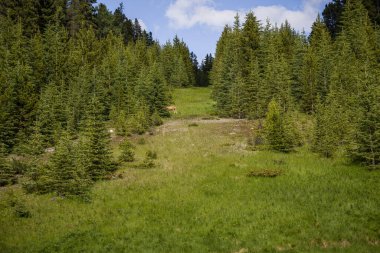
{"x":188,"y":13}
{"x":184,"y":14}
{"x":143,"y":25}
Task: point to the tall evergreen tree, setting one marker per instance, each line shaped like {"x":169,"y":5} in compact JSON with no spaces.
{"x":95,"y":151}
{"x":80,"y":15}
{"x":68,"y":174}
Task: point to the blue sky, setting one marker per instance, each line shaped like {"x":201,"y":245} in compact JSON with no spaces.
{"x":200,"y":22}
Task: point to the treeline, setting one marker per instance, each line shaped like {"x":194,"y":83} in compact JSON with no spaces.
{"x":69,"y":71}
{"x":74,"y":15}
{"x":337,"y":81}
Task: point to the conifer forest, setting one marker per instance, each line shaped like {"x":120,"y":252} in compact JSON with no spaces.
{"x":111,"y":140}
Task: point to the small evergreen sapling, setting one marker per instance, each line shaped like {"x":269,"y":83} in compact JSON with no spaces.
{"x":127,"y":152}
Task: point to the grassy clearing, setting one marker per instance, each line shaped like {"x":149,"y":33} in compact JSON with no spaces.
{"x":199,"y":199}
{"x":193,"y":102}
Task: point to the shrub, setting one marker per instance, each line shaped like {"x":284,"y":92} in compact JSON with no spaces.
{"x":148,"y":162}
{"x":141,"y":141}
{"x":9,"y":171}
{"x":257,"y":138}
{"x":39,"y":180}
{"x":5,"y":172}
{"x":265,"y":173}
{"x":193,"y":125}
{"x":19,"y":167}
{"x":151,"y":154}
{"x":156,"y":119}
{"x":66,"y":173}
{"x":21,"y":211}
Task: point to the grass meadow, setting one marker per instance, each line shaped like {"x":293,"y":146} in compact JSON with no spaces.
{"x":193,"y":102}
{"x":198,"y":198}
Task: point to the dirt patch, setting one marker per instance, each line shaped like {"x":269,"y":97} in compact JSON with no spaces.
{"x":238,"y":126}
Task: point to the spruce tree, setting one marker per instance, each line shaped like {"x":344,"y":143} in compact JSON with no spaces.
{"x":367,"y":148}
{"x":127,"y":152}
{"x":69,"y":176}
{"x":95,"y":150}
{"x":276,"y":78}
{"x":277,"y":131}
{"x":219,"y":75}
{"x":309,"y":79}
{"x":5,"y":170}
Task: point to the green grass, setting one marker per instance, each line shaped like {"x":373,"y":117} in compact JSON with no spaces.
{"x":199,"y":199}
{"x":193,"y":102}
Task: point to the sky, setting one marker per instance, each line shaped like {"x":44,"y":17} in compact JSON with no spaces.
{"x":200,"y":22}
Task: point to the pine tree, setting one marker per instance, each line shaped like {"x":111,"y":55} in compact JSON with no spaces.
{"x":137,"y":30}
{"x":95,"y":151}
{"x":103,"y":20}
{"x":69,"y":176}
{"x":309,"y":79}
{"x":367,"y":148}
{"x":5,"y":171}
{"x":250,"y":41}
{"x":320,"y":42}
{"x":251,"y":90}
{"x":218,"y":75}
{"x":277,"y":131}
{"x":222,"y":76}
{"x":35,"y":145}
{"x":80,"y":15}
{"x":276,"y":79}
{"x":127,"y":152}
{"x":237,"y":97}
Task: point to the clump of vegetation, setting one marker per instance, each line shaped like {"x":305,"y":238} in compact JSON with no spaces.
{"x":210,"y":118}
{"x":127,"y":151}
{"x":148,"y":161}
{"x":156,"y":119}
{"x":16,"y":204}
{"x":21,"y":211}
{"x":138,"y":124}
{"x":257,"y":137}
{"x":193,"y":124}
{"x":151,"y":154}
{"x":5,"y":172}
{"x":141,"y":141}
{"x":265,"y":173}
{"x":11,"y":170}
{"x":65,"y":174}
{"x":74,"y":165}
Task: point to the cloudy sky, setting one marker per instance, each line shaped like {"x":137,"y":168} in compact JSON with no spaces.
{"x":200,"y":22}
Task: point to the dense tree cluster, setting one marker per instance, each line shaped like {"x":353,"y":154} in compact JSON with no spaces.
{"x":332,"y":14}
{"x":178,"y":63}
{"x":337,"y":81}
{"x":68,"y":69}
{"x":203,"y":73}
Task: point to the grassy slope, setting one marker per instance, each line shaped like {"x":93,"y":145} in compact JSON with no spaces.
{"x":198,"y":199}
{"x":192,"y":102}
